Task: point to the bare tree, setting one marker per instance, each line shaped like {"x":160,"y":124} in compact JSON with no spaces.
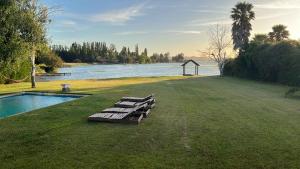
{"x":220,"y":44}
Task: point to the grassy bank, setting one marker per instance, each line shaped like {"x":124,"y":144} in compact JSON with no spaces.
{"x":206,"y":122}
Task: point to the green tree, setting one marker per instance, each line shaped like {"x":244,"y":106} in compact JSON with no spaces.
{"x":13,"y":51}
{"x":242,"y":14}
{"x":146,"y":52}
{"x":99,"y":52}
{"x":155,"y":58}
{"x":272,"y":62}
{"x":144,"y":57}
{"x":166,"y":58}
{"x":49,"y":59}
{"x":22,"y":31}
{"x":279,"y":33}
{"x":261,"y":38}
{"x":123,"y":55}
{"x":32,"y":29}
{"x":113,"y":54}
{"x":178,"y":58}
{"x":137,"y":51}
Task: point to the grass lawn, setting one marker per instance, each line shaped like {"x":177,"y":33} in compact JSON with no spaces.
{"x":207,"y":122}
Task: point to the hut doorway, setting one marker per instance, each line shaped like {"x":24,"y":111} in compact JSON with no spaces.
{"x":185,"y":70}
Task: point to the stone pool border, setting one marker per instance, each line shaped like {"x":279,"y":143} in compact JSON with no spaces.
{"x":44,"y":94}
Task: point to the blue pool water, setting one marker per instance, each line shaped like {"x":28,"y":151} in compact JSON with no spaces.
{"x":27,"y":102}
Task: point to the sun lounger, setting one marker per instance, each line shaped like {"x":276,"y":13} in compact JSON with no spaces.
{"x":148,"y":105}
{"x":128,"y":110}
{"x":133,"y":101}
{"x":117,"y":114}
{"x":116,"y":118}
{"x":137,"y":99}
{"x":131,"y":104}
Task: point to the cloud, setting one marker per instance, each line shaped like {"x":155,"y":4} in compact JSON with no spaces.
{"x":120,"y":16}
{"x":183,"y":31}
{"x":70,"y":26}
{"x":277,"y":15}
{"x":222,"y":21}
{"x":67,"y":23}
{"x":132,"y":33}
{"x":225,"y":21}
{"x":216,"y":11}
{"x":228,"y":21}
{"x":63,"y":26}
{"x":287,"y":4}
{"x":192,"y":32}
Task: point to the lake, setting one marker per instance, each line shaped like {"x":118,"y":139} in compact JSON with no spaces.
{"x":206,"y":68}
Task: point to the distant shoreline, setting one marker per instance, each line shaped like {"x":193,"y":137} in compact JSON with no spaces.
{"x":66,"y":64}
{"x":87,"y":64}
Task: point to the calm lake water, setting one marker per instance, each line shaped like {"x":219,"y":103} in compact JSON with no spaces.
{"x":131,"y":70}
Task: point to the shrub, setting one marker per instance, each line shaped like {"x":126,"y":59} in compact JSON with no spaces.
{"x":50,"y":59}
{"x":77,"y":61}
{"x":16,"y":69}
{"x":229,"y":67}
{"x":272,"y":62}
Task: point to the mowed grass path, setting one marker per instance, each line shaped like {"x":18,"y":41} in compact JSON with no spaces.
{"x":207,"y":122}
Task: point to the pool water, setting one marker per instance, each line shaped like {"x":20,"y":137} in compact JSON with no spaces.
{"x":27,"y":102}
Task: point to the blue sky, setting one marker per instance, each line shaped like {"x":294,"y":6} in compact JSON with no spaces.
{"x":160,"y":25}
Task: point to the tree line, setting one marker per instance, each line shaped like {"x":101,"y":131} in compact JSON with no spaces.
{"x":100,"y":52}
{"x":271,"y":57}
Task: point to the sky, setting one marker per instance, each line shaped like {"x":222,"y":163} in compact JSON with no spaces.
{"x":161,"y":26}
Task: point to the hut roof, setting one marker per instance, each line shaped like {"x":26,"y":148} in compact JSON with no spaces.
{"x":188,"y":61}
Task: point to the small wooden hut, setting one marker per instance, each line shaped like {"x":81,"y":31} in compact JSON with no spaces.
{"x":196,"y":67}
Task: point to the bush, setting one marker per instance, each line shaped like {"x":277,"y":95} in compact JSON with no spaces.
{"x":50,"y":59}
{"x":77,"y":61}
{"x":229,"y":67}
{"x":17,"y":69}
{"x":272,"y":62}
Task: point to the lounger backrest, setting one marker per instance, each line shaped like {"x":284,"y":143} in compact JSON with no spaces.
{"x":137,"y":99}
{"x":148,"y":97}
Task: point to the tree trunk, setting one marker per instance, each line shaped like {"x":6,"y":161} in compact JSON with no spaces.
{"x":33,"y":85}
{"x":221,"y":68}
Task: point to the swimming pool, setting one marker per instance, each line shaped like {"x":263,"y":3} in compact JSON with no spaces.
{"x":25,"y":102}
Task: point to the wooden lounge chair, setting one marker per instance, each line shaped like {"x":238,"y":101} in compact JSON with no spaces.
{"x":128,"y":110}
{"x":149,"y":104}
{"x":125,"y":115}
{"x":131,"y":104}
{"x":116,"y":118}
{"x":137,"y":99}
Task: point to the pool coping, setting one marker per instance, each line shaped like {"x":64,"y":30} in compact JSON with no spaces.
{"x":43,"y":94}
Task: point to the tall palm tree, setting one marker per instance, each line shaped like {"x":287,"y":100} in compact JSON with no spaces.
{"x":242,"y":14}
{"x":279,"y":33}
